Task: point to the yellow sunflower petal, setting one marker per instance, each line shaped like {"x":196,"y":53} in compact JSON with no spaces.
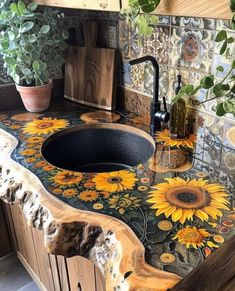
{"x":177,"y":215}
{"x":201,"y":215}
{"x":213,"y":212}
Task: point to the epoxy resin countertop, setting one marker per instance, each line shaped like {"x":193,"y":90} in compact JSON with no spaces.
{"x":180,"y":218}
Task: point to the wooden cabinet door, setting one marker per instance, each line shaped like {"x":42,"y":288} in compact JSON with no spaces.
{"x":104,"y":5}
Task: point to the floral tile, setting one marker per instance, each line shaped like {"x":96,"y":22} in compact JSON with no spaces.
{"x":219,"y":60}
{"x":148,"y":79}
{"x":162,"y":35}
{"x":149,"y":44}
{"x":214,"y":128}
{"x":222,"y":24}
{"x":137,"y":77}
{"x":192,"y":48}
{"x":163,"y":19}
{"x":230,"y":46}
{"x":228,"y":161}
{"x":229,"y":135}
{"x":129,"y":41}
{"x":173,"y":72}
{"x":212,"y":152}
{"x":193,"y":22}
{"x":125,"y":73}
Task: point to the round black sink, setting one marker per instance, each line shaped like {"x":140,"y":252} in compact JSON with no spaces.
{"x":102,"y":147}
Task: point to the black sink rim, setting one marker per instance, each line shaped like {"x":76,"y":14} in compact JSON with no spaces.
{"x":114,"y":126}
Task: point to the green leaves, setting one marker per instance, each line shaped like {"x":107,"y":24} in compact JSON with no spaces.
{"x":220,"y":109}
{"x":32,"y":6}
{"x":207,"y":82}
{"x":232,"y":5}
{"x":222,"y":35}
{"x":45,"y":29}
{"x":148,"y":6}
{"x":26,"y":26}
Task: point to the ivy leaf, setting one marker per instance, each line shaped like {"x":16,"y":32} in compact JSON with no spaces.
{"x":218,"y":91}
{"x":148,"y":6}
{"x":222,"y":35}
{"x":225,"y":87}
{"x":220,"y":109}
{"x":223,"y":48}
{"x":230,"y":39}
{"x":207,"y":82}
{"x":229,"y":105}
{"x":10,"y":61}
{"x":188,"y":89}
{"x":177,"y":97}
{"x":232,"y":5}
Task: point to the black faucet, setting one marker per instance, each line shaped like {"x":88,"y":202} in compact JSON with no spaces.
{"x":157,"y":116}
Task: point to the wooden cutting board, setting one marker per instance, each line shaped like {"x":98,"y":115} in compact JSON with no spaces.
{"x":90,"y":72}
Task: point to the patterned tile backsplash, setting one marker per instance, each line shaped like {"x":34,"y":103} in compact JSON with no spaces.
{"x":181,"y":45}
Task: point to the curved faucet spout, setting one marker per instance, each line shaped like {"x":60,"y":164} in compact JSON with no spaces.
{"x":156,"y":115}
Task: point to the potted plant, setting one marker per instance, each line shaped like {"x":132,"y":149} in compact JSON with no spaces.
{"x":31,"y":43}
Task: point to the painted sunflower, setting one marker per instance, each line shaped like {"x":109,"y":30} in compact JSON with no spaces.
{"x":115,"y":181}
{"x":192,"y":236}
{"x":45,"y":126}
{"x":184,"y":199}
{"x":66,"y":178}
{"x":121,"y":203}
{"x":35,"y":139}
{"x":88,"y":195}
{"x":164,"y":136}
{"x":28,"y":152}
{"x":69,"y":193}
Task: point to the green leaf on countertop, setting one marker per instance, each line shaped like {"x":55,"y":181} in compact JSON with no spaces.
{"x":220,"y":109}
{"x":222,"y":35}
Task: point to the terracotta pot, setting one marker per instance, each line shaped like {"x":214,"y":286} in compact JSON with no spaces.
{"x":36,"y":99}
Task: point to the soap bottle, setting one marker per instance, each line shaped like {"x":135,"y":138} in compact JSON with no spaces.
{"x":178,"y":115}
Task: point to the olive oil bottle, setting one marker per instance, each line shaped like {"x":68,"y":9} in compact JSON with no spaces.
{"x":178,"y":115}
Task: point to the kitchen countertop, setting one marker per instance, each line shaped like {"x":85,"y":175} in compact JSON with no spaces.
{"x":179,"y":217}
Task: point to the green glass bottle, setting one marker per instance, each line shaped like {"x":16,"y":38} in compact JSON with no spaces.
{"x":178,"y":115}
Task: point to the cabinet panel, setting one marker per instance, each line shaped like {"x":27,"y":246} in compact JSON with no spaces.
{"x":200,"y":8}
{"x":104,"y":5}
{"x":81,"y":274}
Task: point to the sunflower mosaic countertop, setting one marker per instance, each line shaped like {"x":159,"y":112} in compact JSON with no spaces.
{"x":180,"y":218}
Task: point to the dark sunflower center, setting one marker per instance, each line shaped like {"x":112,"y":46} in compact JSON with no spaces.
{"x":114,"y":180}
{"x":44,"y":125}
{"x":187,"y":197}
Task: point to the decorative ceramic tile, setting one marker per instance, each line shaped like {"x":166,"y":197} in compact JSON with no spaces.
{"x":194,"y":78}
{"x":162,"y":34}
{"x":149,"y":44}
{"x":163,"y":19}
{"x":4,"y":78}
{"x":129,"y":41}
{"x":173,"y":72}
{"x":212,"y":152}
{"x":228,"y":161}
{"x":222,"y":24}
{"x":137,"y":77}
{"x":148,"y":79}
{"x":125,"y":73}
{"x":219,"y":60}
{"x":192,"y":48}
{"x":214,"y":128}
{"x":193,"y":22}
{"x":229,"y":135}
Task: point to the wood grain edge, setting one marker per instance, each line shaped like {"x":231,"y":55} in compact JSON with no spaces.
{"x":109,"y":243}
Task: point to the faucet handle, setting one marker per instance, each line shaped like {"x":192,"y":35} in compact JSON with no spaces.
{"x":164,"y":103}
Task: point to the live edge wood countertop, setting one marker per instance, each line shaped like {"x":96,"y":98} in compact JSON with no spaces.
{"x":145,"y":230}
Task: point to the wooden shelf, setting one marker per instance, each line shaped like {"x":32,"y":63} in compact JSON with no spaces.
{"x":200,"y":8}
